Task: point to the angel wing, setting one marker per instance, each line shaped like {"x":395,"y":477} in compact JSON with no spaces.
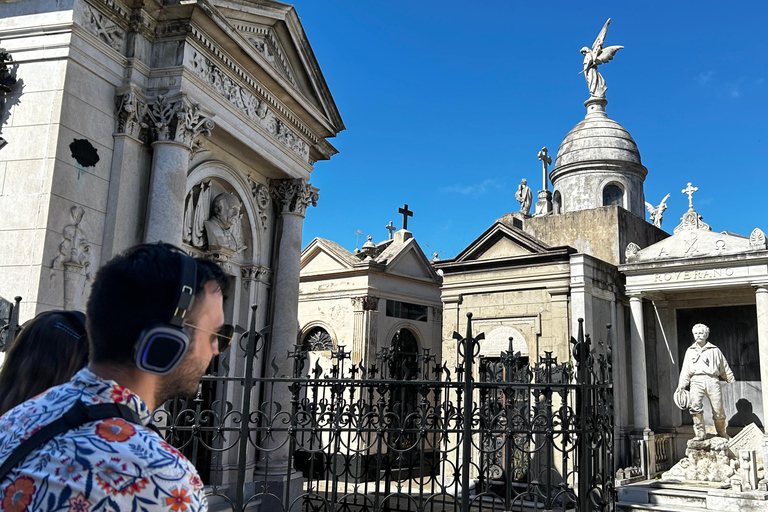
{"x":650,"y":208}
{"x":663,"y":202}
{"x":598,"y":44}
{"x":202,"y":212}
{"x":187,"y":234}
{"x":606,"y":54}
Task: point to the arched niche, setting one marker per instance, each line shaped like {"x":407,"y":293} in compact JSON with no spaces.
{"x":497,"y":341}
{"x":557,"y":203}
{"x":222,"y":178}
{"x":317,"y":337}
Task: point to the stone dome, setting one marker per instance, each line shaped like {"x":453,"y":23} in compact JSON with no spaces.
{"x":597,"y":138}
{"x":598,"y":164}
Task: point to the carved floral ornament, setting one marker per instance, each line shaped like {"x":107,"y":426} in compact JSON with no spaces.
{"x":261,"y":196}
{"x":255,"y":109}
{"x":161,"y":118}
{"x":293,"y":195}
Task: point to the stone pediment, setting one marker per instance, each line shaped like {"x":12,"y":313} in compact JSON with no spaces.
{"x":695,"y":243}
{"x":411,"y":261}
{"x":272,"y":32}
{"x":502,"y":241}
{"x":266,"y":41}
{"x":322,"y":256}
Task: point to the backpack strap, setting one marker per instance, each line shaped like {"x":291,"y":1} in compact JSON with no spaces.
{"x":78,"y":415}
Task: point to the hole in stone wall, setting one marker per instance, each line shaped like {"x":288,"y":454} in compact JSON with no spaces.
{"x":84,"y":152}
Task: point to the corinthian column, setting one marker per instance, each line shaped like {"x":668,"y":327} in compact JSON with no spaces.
{"x":175,"y":124}
{"x":292,"y":197}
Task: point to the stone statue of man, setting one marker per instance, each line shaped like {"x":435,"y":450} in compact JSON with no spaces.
{"x":524,"y":196}
{"x":703,"y":365}
{"x":220,"y":229}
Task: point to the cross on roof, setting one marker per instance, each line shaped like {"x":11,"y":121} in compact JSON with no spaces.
{"x":406,"y":213}
{"x":545,"y":161}
{"x":391,"y":228}
{"x":690,"y":190}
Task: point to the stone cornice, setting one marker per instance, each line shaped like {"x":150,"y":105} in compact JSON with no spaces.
{"x":222,"y":58}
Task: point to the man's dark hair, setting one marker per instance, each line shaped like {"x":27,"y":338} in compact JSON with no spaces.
{"x":135,"y":290}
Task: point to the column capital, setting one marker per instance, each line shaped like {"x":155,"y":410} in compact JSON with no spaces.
{"x":177,"y":120}
{"x":760,"y":288}
{"x":635,"y":297}
{"x":130,"y":114}
{"x":293,"y":195}
{"x":365,"y":303}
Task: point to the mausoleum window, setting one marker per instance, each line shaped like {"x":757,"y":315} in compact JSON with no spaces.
{"x":406,"y":310}
{"x":613,"y":195}
{"x":557,"y":203}
{"x":317,"y":339}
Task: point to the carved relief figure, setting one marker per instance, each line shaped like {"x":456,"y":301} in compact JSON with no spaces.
{"x":703,"y":365}
{"x":524,"y":196}
{"x":223,"y":230}
{"x":593,"y":58}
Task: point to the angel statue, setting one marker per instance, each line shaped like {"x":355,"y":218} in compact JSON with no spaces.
{"x":658,"y":212}
{"x":593,"y":58}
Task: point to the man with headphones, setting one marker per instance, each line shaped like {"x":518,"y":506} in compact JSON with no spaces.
{"x":155,"y":320}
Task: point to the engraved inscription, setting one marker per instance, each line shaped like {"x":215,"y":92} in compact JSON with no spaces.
{"x":693,"y":275}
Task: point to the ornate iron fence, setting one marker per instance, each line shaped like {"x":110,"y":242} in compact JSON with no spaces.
{"x":490,"y":434}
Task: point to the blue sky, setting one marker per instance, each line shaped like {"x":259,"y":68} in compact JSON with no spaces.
{"x":447,"y":104}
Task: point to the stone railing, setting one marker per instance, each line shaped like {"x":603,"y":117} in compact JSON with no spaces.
{"x":664,"y":448}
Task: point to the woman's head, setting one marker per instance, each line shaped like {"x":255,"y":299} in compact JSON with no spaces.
{"x":50,"y":348}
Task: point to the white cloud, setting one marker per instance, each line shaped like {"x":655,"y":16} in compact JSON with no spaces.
{"x":704,"y":78}
{"x":471,"y":190}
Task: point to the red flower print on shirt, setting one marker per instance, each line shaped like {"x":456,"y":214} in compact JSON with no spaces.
{"x":78,"y":504}
{"x":179,"y":500}
{"x":18,"y":495}
{"x":120,"y":394}
{"x":195,"y":482}
{"x":115,"y":430}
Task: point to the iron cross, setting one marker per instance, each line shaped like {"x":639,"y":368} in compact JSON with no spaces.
{"x":406,"y":213}
{"x":690,"y":190}
{"x":391,"y":228}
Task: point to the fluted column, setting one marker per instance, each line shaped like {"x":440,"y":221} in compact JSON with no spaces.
{"x":364,"y":335}
{"x":639,"y":370}
{"x":175,"y":123}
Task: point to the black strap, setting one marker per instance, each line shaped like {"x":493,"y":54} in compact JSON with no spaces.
{"x":79,"y":414}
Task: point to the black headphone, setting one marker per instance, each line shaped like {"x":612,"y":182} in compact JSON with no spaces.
{"x":161,"y":346}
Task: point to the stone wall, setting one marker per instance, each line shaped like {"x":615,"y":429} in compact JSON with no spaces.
{"x":603,"y":232}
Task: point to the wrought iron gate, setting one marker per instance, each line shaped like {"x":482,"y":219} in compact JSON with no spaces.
{"x":498,"y":434}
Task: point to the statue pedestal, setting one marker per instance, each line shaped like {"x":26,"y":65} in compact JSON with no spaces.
{"x":705,"y":461}
{"x":544,"y":205}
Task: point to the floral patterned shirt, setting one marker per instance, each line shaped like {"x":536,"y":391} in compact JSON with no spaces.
{"x":105,"y":465}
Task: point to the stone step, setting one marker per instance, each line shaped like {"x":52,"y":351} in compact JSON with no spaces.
{"x":624,"y":506}
{"x":677,"y":497}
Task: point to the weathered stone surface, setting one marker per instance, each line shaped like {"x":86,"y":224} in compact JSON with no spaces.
{"x":750,"y":438}
{"x":708,"y":460}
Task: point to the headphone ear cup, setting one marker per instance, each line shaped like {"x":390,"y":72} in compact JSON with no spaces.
{"x":160,"y":349}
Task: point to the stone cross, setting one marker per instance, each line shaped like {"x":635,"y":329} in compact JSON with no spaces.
{"x":545,"y":161}
{"x":690,"y":190}
{"x":406,"y":213}
{"x":391,"y":228}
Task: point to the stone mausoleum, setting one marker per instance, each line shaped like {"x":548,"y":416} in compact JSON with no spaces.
{"x":195,"y":123}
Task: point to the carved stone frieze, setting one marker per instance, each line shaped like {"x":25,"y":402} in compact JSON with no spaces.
{"x":253,"y":108}
{"x":102,"y":27}
{"x":261,"y":196}
{"x":264,"y":40}
{"x":293,"y":195}
{"x":177,"y":120}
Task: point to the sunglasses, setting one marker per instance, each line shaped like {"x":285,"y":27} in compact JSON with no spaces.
{"x":224,"y":334}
